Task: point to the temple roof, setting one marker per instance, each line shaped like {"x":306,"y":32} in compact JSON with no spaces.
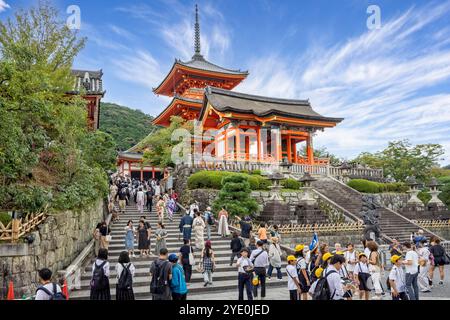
{"x":229,"y":101}
{"x":90,"y":81}
{"x":200,"y":63}
{"x":176,"y":98}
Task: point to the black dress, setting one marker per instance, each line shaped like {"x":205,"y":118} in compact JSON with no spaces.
{"x":143,"y":239}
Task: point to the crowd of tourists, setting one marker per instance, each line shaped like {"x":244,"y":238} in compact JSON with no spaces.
{"x":313,"y":271}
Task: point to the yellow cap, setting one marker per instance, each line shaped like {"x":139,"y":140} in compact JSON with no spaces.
{"x":326,"y":256}
{"x":362,"y":254}
{"x":255,"y":281}
{"x":291,"y":258}
{"x":395,"y":258}
{"x":299,"y":247}
{"x":340,"y":253}
{"x":318,"y":272}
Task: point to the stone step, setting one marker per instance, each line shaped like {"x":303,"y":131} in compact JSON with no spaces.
{"x":114,"y":253}
{"x":143,"y":292}
{"x":170,"y":246}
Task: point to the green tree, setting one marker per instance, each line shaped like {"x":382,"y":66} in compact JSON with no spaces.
{"x":46,"y":154}
{"x":235,"y":196}
{"x":401,"y":159}
{"x":158,"y":146}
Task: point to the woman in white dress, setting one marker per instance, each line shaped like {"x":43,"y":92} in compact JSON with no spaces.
{"x":140,"y":200}
{"x":199,"y":229}
{"x":223,"y":223}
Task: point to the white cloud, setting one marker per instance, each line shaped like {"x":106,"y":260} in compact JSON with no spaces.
{"x":388,"y":84}
{"x":4,"y":5}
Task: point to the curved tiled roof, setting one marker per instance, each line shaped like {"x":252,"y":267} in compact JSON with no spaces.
{"x":229,"y":101}
{"x":199,"y":62}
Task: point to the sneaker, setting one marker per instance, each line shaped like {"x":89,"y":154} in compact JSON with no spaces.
{"x":206,"y":283}
{"x":280,"y":279}
{"x":441,"y":282}
{"x":268,"y":278}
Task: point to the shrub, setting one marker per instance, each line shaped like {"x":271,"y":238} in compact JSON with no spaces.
{"x":364,"y":186}
{"x":444,"y":180}
{"x":5,"y":218}
{"x":257,"y":172}
{"x":291,"y":184}
{"x":213,"y":180}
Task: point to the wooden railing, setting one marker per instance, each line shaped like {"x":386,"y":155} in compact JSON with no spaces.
{"x":310,"y":228}
{"x":439,"y":224}
{"x":16,"y":228}
{"x":356,"y":172}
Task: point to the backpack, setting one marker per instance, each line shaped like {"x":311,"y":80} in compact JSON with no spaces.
{"x":126,"y":279}
{"x":55,"y":295}
{"x":322,"y":290}
{"x":210,"y":219}
{"x":99,"y":280}
{"x":158,"y":283}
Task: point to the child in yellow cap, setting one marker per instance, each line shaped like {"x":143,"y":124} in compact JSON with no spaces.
{"x":293,"y":283}
{"x":397,"y":279}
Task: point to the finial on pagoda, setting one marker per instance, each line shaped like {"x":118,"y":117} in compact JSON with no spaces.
{"x":197,"y":34}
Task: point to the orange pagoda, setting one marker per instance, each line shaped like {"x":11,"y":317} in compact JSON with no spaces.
{"x":245,"y":127}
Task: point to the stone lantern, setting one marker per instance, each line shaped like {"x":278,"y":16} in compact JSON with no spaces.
{"x":286,"y":166}
{"x":307,"y":197}
{"x":345,"y":168}
{"x":275,"y":188}
{"x":435,"y":202}
{"x":414,"y":191}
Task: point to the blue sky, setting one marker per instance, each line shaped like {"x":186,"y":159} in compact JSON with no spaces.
{"x":389,"y":84}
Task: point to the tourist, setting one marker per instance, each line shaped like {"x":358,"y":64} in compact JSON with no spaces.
{"x":207,"y":263}
{"x":260,"y":260}
{"x":337,"y":247}
{"x":274,"y":232}
{"x":424,"y":267}
{"x":397,"y":279}
{"x":140,"y":200}
{"x":350,"y":260}
{"x":252,"y":246}
{"x":149,"y":194}
{"x":313,"y":257}
{"x":125,"y":273}
{"x":236,"y":246}
{"x":123,"y":199}
{"x":177,"y":283}
{"x":97,"y":236}
{"x":149,"y":234}
{"x":362,"y":276}
{"x":114,"y":215}
{"x":199,"y":230}
{"x":438,"y":252}
{"x":375,"y":269}
{"x":246,"y":229}
{"x":143,"y":239}
{"x":337,"y":288}
{"x":113,"y":189}
{"x":129,"y":238}
{"x":323,"y":249}
{"x":418,"y":237}
{"x":223,"y":230}
{"x":104,"y":232}
{"x":209,"y":219}
{"x":170,"y":207}
{"x":345,"y":277}
{"x":161,"y":273}
{"x":245,"y":271}
{"x":157,"y":190}
{"x":274,"y":258}
{"x":192,"y":208}
{"x":160,"y":208}
{"x":411,"y":263}
{"x":395,"y":248}
{"x":293,"y":281}
{"x":161,"y":236}
{"x":301,"y":270}
{"x":185,"y":226}
{"x":366,"y":249}
{"x":100,"y":277}
{"x":262,"y":233}
{"x":48,"y":290}
{"x":187,"y":259}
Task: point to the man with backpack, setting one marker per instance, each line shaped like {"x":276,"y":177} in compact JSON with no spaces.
{"x":260,"y":260}
{"x":122,"y":195}
{"x":329,"y":286}
{"x":48,"y":290}
{"x":236,"y":245}
{"x":161,"y":273}
{"x":209,"y":222}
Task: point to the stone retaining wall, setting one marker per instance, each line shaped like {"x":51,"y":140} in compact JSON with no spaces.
{"x":57,"y":243}
{"x":394,"y":201}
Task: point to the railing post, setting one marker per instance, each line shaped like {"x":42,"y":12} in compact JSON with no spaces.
{"x":15,"y":228}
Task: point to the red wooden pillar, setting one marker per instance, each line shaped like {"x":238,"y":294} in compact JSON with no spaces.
{"x":142,"y":172}
{"x":309,"y":149}
{"x":288,"y":145}
{"x":225,"y":154}
{"x":153,"y":173}
{"x":238,"y":142}
{"x":294,"y":147}
{"x":258,"y":141}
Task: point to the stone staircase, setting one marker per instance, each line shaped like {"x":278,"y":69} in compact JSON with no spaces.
{"x":393,"y":225}
{"x":224,"y":278}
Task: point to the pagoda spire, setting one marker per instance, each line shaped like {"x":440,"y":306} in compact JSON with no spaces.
{"x":197,"y":35}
